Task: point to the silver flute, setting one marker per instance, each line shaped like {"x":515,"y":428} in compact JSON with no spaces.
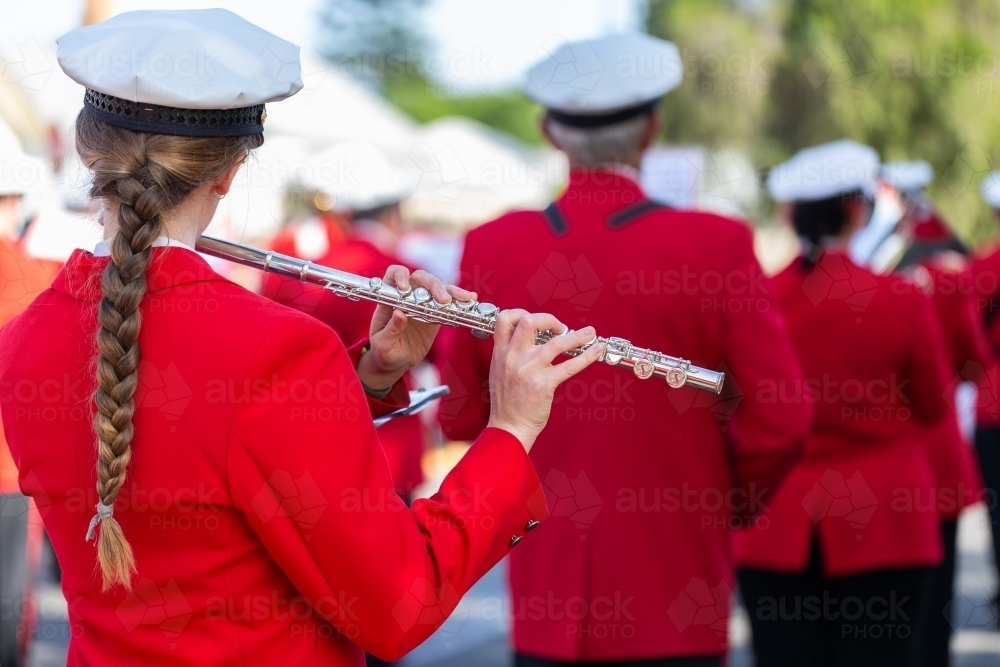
{"x":479,"y":317}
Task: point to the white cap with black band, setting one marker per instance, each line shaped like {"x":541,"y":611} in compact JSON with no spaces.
{"x":597,"y":82}
{"x":196,"y":73}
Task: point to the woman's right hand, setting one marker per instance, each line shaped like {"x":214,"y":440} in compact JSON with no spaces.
{"x":523,"y":379}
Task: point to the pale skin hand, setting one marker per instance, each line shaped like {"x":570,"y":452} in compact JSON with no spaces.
{"x":523,"y":378}
{"x":397,"y":342}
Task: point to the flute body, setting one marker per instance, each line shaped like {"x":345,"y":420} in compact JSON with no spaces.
{"x":479,"y":317}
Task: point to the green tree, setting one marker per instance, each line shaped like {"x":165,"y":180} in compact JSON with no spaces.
{"x":380,"y":42}
{"x":913,"y":78}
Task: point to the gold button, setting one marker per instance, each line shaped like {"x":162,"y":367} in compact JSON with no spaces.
{"x":514,"y":540}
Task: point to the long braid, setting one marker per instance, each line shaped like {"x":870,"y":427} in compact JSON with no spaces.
{"x":123,"y":283}
{"x":144,"y":175}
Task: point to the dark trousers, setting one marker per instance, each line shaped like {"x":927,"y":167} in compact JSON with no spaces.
{"x":809,"y":619}
{"x":988,"y":449}
{"x":13,"y":559}
{"x":933,"y":628}
{"x":521,"y":660}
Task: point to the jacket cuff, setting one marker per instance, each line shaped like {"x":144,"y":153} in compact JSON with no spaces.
{"x":398,"y":396}
{"x":516,"y":502}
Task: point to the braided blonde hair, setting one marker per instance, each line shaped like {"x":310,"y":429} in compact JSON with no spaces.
{"x":143,"y":175}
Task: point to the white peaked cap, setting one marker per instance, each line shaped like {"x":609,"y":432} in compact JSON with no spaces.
{"x":207,"y":59}
{"x":824,"y":171}
{"x":357,"y":176}
{"x":991,"y":189}
{"x":908,"y":176}
{"x":602,"y":76}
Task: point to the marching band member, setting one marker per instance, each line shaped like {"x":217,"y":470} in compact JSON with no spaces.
{"x":846,"y":527}
{"x":244,"y":509}
{"x":357,"y":182}
{"x":22,"y":278}
{"x":613,"y":584}
{"x":986,"y":270}
{"x":933,"y":260}
{"x":927,"y":235}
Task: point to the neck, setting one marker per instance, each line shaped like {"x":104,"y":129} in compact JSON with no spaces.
{"x":185,"y":222}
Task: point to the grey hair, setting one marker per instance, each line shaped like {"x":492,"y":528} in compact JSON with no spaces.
{"x":591,"y":146}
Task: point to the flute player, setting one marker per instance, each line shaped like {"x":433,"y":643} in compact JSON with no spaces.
{"x":248,"y":555}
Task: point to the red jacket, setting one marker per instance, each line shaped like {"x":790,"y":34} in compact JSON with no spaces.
{"x":986,"y":289}
{"x":258,"y":501}
{"x":22,"y":278}
{"x":956,"y":470}
{"x":875,"y":364}
{"x":403,"y":438}
{"x":643,"y":480}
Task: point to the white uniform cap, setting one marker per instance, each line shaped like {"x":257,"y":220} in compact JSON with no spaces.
{"x":824,"y":171}
{"x":357,"y":176}
{"x":606,"y":80}
{"x":140,"y":68}
{"x":908,"y":176}
{"x":991,"y":189}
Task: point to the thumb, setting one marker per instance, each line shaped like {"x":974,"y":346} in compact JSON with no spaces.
{"x":396,"y":324}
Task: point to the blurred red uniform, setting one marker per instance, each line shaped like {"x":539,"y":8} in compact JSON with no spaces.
{"x":950,"y":287}
{"x":874,"y":361}
{"x":22,"y":278}
{"x":402,"y":438}
{"x":643,"y":480}
{"x":986,"y":272}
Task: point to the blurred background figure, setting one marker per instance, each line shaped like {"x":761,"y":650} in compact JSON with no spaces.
{"x":22,"y":278}
{"x":986,"y":270}
{"x":922,"y":231}
{"x":874,"y":362}
{"x":604,"y":254}
{"x":926,"y":252}
{"x":355,"y":228}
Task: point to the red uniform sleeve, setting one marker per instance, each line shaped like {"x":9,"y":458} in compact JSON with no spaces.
{"x":972,"y":349}
{"x":926,"y":364}
{"x":766,"y":439}
{"x":398,"y":396}
{"x":465,"y":367}
{"x":305,"y":466}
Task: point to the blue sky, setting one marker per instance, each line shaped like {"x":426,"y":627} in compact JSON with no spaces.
{"x":480,"y":45}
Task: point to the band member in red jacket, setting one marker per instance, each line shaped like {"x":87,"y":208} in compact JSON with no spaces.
{"x":845,"y":532}
{"x":244,"y":509}
{"x":605,"y":581}
{"x":358,"y":184}
{"x":986,"y":271}
{"x":22,"y":278}
{"x":934,"y":261}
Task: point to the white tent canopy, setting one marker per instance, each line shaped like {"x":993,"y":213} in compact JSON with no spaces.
{"x":334,"y":108}
{"x":467,"y":173}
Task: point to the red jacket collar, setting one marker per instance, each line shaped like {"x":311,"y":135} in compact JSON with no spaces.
{"x":81,"y":276}
{"x":602,"y":190}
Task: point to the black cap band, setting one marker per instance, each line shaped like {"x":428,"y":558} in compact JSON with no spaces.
{"x":577,"y":120}
{"x":157,"y":119}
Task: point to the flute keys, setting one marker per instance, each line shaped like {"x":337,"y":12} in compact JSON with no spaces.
{"x":487,"y":310}
{"x":644,"y":369}
{"x":676,"y":377}
{"x":375,"y":284}
{"x":421,"y":295}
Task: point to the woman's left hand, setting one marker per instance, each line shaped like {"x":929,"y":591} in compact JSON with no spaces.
{"x":399,"y":343}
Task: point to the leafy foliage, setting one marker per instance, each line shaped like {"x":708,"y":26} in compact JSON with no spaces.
{"x":913,"y":78}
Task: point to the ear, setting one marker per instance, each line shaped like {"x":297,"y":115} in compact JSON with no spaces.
{"x":652,"y":130}
{"x":224,"y":181}
{"x":543,"y":124}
